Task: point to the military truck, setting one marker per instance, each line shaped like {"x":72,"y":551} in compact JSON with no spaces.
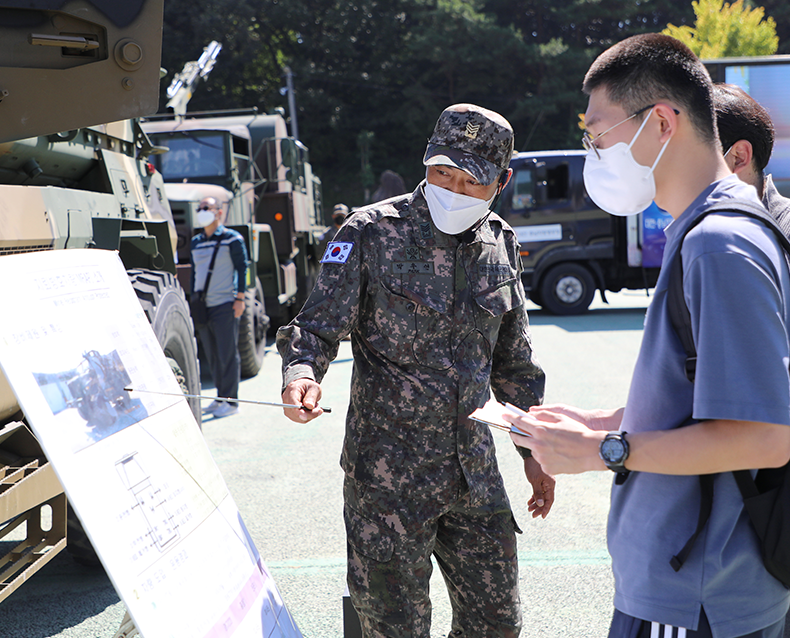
{"x":569,"y":246}
{"x":67,"y":181}
{"x":263,"y":178}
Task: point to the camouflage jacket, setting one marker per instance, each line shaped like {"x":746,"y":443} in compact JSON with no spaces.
{"x":433,"y":320}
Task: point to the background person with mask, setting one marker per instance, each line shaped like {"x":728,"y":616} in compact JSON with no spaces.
{"x":219,"y":336}
{"x":734,"y":416}
{"x":747,"y":139}
{"x":428,"y":286}
{"x":339,"y":214}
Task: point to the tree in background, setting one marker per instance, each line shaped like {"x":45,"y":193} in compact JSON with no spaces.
{"x":779,"y":10}
{"x":389,"y":67}
{"x":727,"y":30}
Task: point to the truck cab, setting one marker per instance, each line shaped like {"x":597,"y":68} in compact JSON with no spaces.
{"x":569,"y":246}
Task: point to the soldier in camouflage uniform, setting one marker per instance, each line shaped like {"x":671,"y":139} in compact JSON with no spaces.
{"x":435,"y":320}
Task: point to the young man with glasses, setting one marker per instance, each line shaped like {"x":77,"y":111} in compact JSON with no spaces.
{"x":736,"y":412}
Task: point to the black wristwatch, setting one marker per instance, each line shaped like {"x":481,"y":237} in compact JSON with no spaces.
{"x":614,"y":452}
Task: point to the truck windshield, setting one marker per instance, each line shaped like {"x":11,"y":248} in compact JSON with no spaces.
{"x":191,"y":157}
{"x":523,"y":190}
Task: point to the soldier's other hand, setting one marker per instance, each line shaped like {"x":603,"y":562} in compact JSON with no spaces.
{"x":304,"y":392}
{"x":542,"y":488}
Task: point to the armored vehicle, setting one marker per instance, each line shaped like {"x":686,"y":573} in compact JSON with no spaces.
{"x":67,"y":181}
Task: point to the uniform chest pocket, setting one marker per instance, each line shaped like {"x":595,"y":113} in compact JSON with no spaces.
{"x":388,"y":325}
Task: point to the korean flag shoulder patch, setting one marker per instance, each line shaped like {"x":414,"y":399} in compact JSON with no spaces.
{"x":337,"y":252}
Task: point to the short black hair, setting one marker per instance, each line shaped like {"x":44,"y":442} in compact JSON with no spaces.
{"x":651,"y":67}
{"x":740,"y":117}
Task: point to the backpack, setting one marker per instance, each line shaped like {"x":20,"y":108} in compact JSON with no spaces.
{"x":766,"y":497}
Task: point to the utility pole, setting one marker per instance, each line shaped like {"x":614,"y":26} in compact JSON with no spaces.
{"x":289,"y":87}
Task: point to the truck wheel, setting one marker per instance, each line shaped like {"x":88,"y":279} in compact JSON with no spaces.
{"x":252,"y":332}
{"x":567,"y":289}
{"x":166,"y":307}
{"x":78,"y":544}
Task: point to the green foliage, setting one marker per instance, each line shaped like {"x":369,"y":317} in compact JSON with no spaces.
{"x":727,"y":30}
{"x":389,"y":67}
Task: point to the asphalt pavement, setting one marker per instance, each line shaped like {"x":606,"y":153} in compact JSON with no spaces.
{"x":286,"y":481}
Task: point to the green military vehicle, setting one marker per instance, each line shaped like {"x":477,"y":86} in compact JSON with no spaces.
{"x":68,"y":182}
{"x":263,"y":178}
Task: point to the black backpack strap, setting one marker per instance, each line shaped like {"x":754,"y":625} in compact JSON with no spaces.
{"x":746,"y":484}
{"x":676,"y":302}
{"x":680,"y":318}
{"x":705,"y":508}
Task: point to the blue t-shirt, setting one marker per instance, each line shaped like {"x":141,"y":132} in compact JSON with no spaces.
{"x":737,"y":289}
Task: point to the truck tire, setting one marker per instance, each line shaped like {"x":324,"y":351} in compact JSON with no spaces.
{"x":567,"y":289}
{"x":166,"y":307}
{"x":78,"y":543}
{"x":252,"y":332}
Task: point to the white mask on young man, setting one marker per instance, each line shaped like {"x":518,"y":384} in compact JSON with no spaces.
{"x":454,"y":213}
{"x":616,"y":182}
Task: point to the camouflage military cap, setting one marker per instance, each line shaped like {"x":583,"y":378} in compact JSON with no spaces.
{"x":473,"y":139}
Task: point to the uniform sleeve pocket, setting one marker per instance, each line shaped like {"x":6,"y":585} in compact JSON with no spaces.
{"x":368,"y":537}
{"x":504,"y":298}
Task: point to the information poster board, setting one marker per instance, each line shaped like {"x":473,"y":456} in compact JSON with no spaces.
{"x":134,"y":465}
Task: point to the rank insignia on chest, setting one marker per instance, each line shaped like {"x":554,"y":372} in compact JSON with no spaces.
{"x":412,"y":267}
{"x":425,"y":230}
{"x":337,"y":252}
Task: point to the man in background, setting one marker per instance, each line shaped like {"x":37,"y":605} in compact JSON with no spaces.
{"x":218,"y":254}
{"x":747,"y":140}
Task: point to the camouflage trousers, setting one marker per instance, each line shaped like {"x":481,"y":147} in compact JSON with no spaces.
{"x":391,"y":537}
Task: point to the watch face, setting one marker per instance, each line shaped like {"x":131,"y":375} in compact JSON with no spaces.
{"x":612,"y":450}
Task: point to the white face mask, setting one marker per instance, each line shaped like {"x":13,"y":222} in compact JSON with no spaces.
{"x":616,"y":182}
{"x":204,"y":218}
{"x":453,"y":213}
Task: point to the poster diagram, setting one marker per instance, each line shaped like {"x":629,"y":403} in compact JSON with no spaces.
{"x":134,"y":465}
{"x":151,"y":502}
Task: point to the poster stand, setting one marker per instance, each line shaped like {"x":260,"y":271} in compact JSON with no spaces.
{"x":134,"y":466}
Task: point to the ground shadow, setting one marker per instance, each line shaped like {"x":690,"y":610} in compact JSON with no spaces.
{"x":61,"y":595}
{"x":594,"y":320}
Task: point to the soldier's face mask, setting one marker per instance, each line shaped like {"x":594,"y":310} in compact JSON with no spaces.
{"x":454,"y":213}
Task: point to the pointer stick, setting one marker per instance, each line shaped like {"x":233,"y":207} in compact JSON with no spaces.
{"x":198,"y":396}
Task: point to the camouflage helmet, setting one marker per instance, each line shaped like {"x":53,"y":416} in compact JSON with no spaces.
{"x":473,"y":139}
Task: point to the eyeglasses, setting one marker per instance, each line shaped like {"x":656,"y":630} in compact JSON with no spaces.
{"x":202,"y":208}
{"x":588,"y":141}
